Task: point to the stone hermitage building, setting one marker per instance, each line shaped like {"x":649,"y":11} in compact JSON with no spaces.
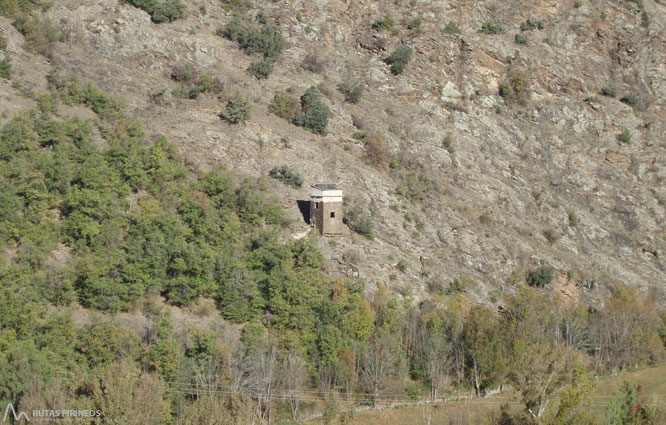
{"x":326,"y":209}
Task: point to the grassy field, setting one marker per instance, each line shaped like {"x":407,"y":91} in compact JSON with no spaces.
{"x":652,"y":380}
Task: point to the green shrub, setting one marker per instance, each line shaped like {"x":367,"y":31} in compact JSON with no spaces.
{"x":261,"y":69}
{"x":161,"y":11}
{"x":460,"y":285}
{"x":630,"y":99}
{"x":72,"y":92}
{"x":360,"y":135}
{"x":234,"y":4}
{"x":449,"y":143}
{"x":609,"y":91}
{"x":314,"y":113}
{"x":183,"y":92}
{"x":531,"y":24}
{"x":193,"y":84}
{"x":541,"y":276}
{"x":6,"y":66}
{"x":573,"y":219}
{"x":625,"y":136}
{"x":492,"y":28}
{"x":182,"y":73}
{"x":287,"y":176}
{"x":385,"y":23}
{"x":265,"y":40}
{"x":515,"y":277}
{"x":399,"y":58}
{"x":237,"y":110}
{"x":452,"y":28}
{"x":358,"y":223}
{"x":206,"y":82}
{"x":520,"y":39}
{"x":515,"y":90}
{"x":39,"y":34}
{"x":415,"y":25}
{"x":550,"y":235}
{"x":3,"y":43}
{"x":284,"y":105}
{"x":352,"y":91}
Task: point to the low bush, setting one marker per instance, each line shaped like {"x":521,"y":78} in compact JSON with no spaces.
{"x":515,"y":90}
{"x":415,"y":25}
{"x":520,"y":39}
{"x":314,"y":113}
{"x":491,"y":28}
{"x":284,"y":105}
{"x":375,"y":152}
{"x":72,"y":92}
{"x":182,"y":73}
{"x":630,"y":99}
{"x":610,"y":91}
{"x":206,"y":82}
{"x":39,"y":34}
{"x":358,"y":223}
{"x":550,"y":235}
{"x":11,"y":8}
{"x":237,"y":110}
{"x":287,"y":176}
{"x":315,"y":62}
{"x":193,"y":83}
{"x":541,"y":276}
{"x":400,"y":58}
{"x":625,"y":136}
{"x":3,"y":43}
{"x":234,"y":4}
{"x":261,"y":69}
{"x":266,"y":40}
{"x":385,"y":23}
{"x":449,"y":143}
{"x":573,"y":219}
{"x":352,"y":91}
{"x":452,"y":28}
{"x":532,"y":24}
{"x":460,"y":285}
{"x":6,"y":66}
{"x":161,"y":11}
{"x":180,"y":92}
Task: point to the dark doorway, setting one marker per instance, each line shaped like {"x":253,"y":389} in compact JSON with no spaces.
{"x":304,"y":208}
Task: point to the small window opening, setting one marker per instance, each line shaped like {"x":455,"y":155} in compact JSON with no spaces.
{"x":332,"y":214}
{"x":316,"y":205}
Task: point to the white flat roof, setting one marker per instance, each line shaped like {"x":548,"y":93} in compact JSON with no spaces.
{"x":321,"y":193}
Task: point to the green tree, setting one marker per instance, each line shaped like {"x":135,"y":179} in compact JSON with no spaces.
{"x":540,"y":372}
{"x":237,"y":110}
{"x":399,"y":58}
{"x":631,"y":409}
{"x":165,"y":352}
{"x":541,"y":276}
{"x":127,"y":396}
{"x":261,"y":69}
{"x":576,"y":400}
{"x":314,"y":113}
{"x":485,"y":361}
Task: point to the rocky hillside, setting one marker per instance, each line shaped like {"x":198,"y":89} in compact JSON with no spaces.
{"x":496,"y":150}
